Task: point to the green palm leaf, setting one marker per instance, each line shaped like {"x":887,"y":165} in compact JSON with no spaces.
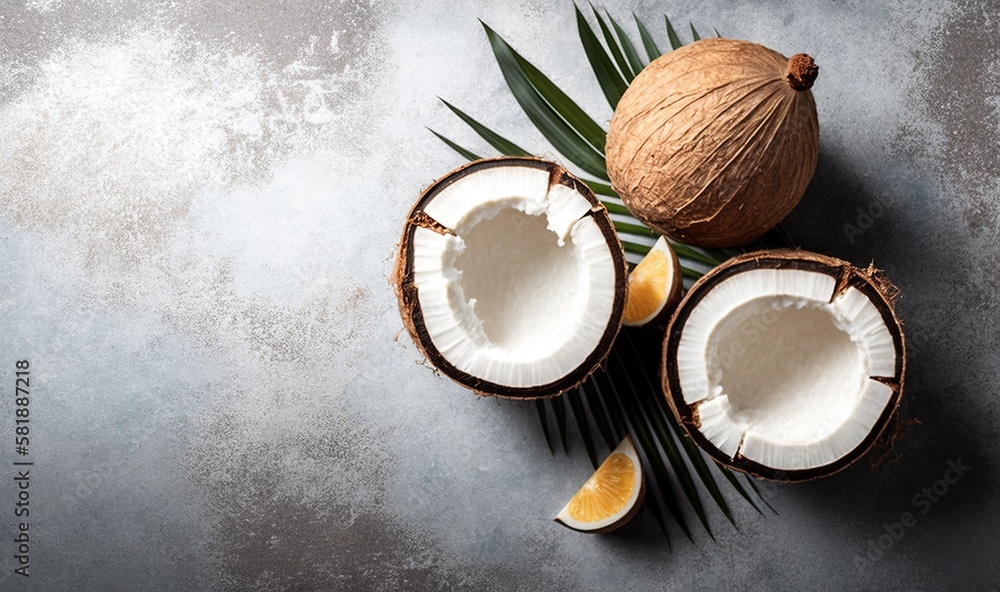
{"x":665,"y":417}
{"x":675,"y":41}
{"x":637,"y":426}
{"x":603,"y":189}
{"x":694,"y":254}
{"x":610,"y":79}
{"x":753,"y":486}
{"x":628,"y":48}
{"x":647,"y":40}
{"x":559,"y":406}
{"x":564,"y":138}
{"x":636,"y":229}
{"x":468,"y":154}
{"x":616,"y":51}
{"x":580,"y":416}
{"x":623,"y":398}
{"x":655,"y":428}
{"x":494,"y":139}
{"x":543,"y":417}
{"x":571,"y":113}
{"x":611,"y":434}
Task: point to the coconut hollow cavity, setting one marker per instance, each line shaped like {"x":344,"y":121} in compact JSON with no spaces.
{"x":510,"y":278}
{"x":785,"y":364}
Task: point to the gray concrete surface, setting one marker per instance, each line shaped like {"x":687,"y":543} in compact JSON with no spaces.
{"x":198,"y":206}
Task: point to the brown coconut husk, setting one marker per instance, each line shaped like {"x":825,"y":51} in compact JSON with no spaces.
{"x":714,"y":143}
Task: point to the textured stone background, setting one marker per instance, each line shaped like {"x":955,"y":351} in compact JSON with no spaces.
{"x":198,"y":206}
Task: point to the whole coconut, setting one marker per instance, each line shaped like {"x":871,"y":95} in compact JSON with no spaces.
{"x":714,"y":143}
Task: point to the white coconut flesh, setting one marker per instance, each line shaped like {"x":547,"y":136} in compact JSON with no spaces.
{"x":782,"y":372}
{"x":517,"y":286}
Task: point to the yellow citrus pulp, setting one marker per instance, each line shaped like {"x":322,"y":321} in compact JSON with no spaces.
{"x":647,"y":287}
{"x":606,"y":492}
{"x":654,"y":284}
{"x":606,"y":500}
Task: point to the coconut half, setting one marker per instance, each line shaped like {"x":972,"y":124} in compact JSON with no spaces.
{"x":510,"y":277}
{"x":786,"y":365}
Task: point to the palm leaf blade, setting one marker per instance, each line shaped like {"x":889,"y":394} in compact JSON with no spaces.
{"x":576,"y":406}
{"x":576,"y":117}
{"x":739,"y":488}
{"x":559,"y":407}
{"x":753,"y":486}
{"x":494,"y":139}
{"x":647,"y":449}
{"x":616,"y":208}
{"x":467,"y":154}
{"x":705,"y":474}
{"x":690,"y":273}
{"x":647,"y":40}
{"x":637,"y":248}
{"x":660,"y":432}
{"x":608,"y":77}
{"x":658,"y":515}
{"x":694,"y":254}
{"x":633,"y":229}
{"x":600,"y":416}
{"x":616,"y":53}
{"x":697,"y":461}
{"x":626,"y":43}
{"x":544,"y":419}
{"x":675,"y":41}
{"x":567,"y":141}
{"x":664,"y":416}
{"x":610,"y":411}
{"x":601,"y":188}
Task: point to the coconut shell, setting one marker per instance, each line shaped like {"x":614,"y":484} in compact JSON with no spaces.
{"x":409,"y":302}
{"x":714,"y":143}
{"x":869,"y":281}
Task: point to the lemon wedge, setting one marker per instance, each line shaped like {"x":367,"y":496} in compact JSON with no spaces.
{"x":654,"y":286}
{"x":611,"y":496}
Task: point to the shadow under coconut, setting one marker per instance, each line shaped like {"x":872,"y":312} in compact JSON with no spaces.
{"x":935,"y":499}
{"x":525,"y":416}
{"x":831,"y":219}
{"x":894,"y":236}
{"x":845,"y":216}
{"x":835,"y":215}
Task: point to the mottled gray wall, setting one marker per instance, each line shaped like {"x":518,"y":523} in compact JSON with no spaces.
{"x":198,"y":205}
